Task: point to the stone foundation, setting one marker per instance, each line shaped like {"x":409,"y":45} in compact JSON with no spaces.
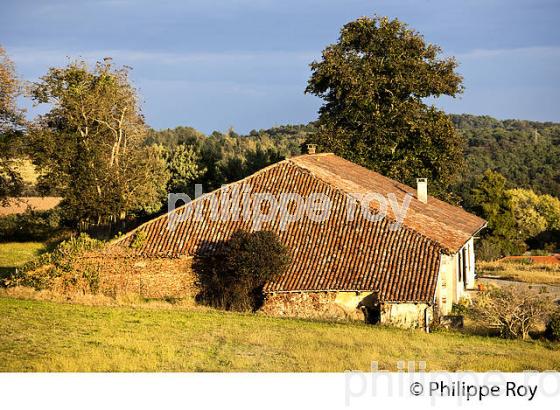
{"x":405,"y":315}
{"x":343,"y":306}
{"x":319,"y":305}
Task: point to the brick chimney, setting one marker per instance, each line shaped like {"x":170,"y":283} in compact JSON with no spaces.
{"x":311,"y":148}
{"x":422,"y":190}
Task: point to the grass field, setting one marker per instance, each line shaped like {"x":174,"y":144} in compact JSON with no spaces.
{"x":47,"y":336}
{"x":16,"y":254}
{"x":522,"y":272}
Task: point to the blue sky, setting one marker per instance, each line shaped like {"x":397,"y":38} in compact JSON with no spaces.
{"x":244,"y":63}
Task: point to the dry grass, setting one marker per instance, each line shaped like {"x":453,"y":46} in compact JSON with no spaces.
{"x":48,"y":336}
{"x":21,"y":204}
{"x":521,"y":271}
{"x":90,"y":299}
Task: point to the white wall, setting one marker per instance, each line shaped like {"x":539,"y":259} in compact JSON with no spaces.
{"x":451,"y":287}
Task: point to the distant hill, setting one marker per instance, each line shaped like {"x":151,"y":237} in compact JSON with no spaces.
{"x":527,"y":153}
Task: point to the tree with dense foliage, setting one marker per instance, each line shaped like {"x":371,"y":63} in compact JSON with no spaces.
{"x":529,"y":217}
{"x":184,"y":169}
{"x":549,"y":207}
{"x":11,"y":126}
{"x":527,"y":153}
{"x":537,"y":217}
{"x":493,"y":204}
{"x":90,"y":144}
{"x":233,"y":273}
{"x":374,"y":81}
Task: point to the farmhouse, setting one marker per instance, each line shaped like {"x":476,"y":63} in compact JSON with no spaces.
{"x":356,"y":262}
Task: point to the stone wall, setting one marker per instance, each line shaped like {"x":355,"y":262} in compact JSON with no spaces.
{"x":342,"y":306}
{"x":406,"y":315}
{"x":309,"y":305}
{"x":115,"y":272}
{"x":318,"y":305}
{"x":148,"y":277}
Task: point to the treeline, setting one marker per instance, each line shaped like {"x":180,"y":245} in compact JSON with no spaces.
{"x":221,"y":158}
{"x":527,"y":153}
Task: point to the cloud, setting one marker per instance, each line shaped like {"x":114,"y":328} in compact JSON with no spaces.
{"x":481,"y":53}
{"x":24,"y":55}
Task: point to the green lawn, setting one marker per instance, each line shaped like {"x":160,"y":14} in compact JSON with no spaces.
{"x":47,"y":336}
{"x":16,"y":254}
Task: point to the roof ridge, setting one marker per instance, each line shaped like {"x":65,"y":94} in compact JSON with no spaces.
{"x":346,"y":183}
{"x":195,"y":200}
{"x":408,"y":228}
{"x":433,"y":204}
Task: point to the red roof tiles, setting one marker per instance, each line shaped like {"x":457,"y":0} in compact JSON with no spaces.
{"x":449,"y":225}
{"x":338,"y":254}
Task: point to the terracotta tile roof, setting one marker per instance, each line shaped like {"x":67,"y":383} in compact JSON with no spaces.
{"x":448,"y":225}
{"x":358,"y":255}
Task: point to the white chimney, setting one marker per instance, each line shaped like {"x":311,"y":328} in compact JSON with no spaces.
{"x":422,"y":190}
{"x":311,"y":148}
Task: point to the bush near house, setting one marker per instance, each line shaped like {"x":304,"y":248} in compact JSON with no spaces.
{"x":512,"y":310}
{"x":56,"y":270}
{"x":234,"y":272}
{"x":552,"y":331}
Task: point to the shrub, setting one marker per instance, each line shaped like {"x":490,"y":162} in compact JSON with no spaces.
{"x":513,"y":310}
{"x":59,"y":264}
{"x":232,"y":273}
{"x":552,"y":331}
{"x":30,"y":225}
{"x":139,"y":239}
{"x":489,"y":250}
{"x":494,"y":247}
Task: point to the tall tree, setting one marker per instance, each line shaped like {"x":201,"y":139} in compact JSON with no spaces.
{"x":184,"y":168}
{"x":11,"y":126}
{"x":525,"y":207}
{"x":492,"y":202}
{"x":374,"y":81}
{"x":90,"y":144}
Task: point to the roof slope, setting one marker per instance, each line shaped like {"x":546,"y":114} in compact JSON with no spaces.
{"x":358,"y":255}
{"x":448,"y":225}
